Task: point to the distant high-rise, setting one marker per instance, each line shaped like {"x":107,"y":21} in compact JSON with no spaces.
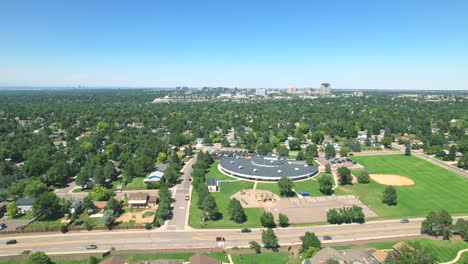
{"x":325,"y":89}
{"x":260,"y":92}
{"x":291,"y":90}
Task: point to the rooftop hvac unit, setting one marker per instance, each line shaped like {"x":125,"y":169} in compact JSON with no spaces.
{"x":240,"y":167}
{"x":254,"y":170}
{"x":296,"y":169}
{"x":279,"y":171}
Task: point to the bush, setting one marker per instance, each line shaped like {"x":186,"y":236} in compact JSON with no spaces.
{"x":148,"y":226}
{"x":364,"y":177}
{"x":153,"y":185}
{"x":267,"y":219}
{"x":346,"y":215}
{"x":63,"y":228}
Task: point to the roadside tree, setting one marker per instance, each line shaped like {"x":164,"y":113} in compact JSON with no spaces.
{"x":269,"y":239}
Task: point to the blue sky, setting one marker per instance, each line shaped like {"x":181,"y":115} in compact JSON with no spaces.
{"x":351,"y":44}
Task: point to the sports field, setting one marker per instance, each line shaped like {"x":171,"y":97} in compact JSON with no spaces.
{"x":435,"y":188}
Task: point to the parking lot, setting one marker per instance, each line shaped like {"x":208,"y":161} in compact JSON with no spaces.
{"x":339,"y":162}
{"x":314,"y":209}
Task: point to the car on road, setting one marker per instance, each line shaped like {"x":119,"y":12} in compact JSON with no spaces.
{"x":187,"y":197}
{"x":11,"y":242}
{"x":91,"y":247}
{"x":219,"y":239}
{"x":2,"y":226}
{"x":245,"y":230}
{"x":327,"y":238}
{"x":404,"y":221}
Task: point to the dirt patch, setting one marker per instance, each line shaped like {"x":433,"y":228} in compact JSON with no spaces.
{"x":137,"y":215}
{"x":251,"y":198}
{"x":392,"y":179}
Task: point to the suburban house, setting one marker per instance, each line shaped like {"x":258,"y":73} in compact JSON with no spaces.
{"x":202,"y":259}
{"x":353,"y":256}
{"x":76,"y":206}
{"x":141,"y":199}
{"x":163,"y":261}
{"x":25,"y":204}
{"x":377,"y":144}
{"x":155,"y":176}
{"x":99,"y":211}
{"x":213,"y":185}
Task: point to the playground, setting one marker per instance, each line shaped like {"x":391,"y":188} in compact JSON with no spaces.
{"x":250,"y":198}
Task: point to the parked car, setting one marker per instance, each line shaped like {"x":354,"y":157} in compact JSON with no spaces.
{"x":220,"y":239}
{"x":404,"y":221}
{"x":327,"y":238}
{"x":2,"y":226}
{"x":91,"y":247}
{"x":187,"y":197}
{"x":245,"y":230}
{"x":11,"y":242}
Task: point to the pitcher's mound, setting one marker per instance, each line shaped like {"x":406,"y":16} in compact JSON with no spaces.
{"x":392,"y":179}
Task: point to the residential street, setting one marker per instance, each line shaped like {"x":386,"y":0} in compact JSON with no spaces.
{"x":180,"y":205}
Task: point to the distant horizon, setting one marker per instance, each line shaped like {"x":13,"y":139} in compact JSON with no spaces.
{"x":49,"y":87}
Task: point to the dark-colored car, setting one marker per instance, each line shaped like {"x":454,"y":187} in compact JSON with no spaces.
{"x":404,"y":221}
{"x":327,"y":238}
{"x":220,"y":239}
{"x":11,"y":242}
{"x":91,"y":247}
{"x":245,"y":230}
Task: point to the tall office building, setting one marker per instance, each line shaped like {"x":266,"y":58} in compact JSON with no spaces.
{"x":325,"y":89}
{"x":291,"y":90}
{"x":260,"y":92}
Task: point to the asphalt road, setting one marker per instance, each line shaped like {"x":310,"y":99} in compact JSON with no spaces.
{"x":170,"y":239}
{"x":180,"y":205}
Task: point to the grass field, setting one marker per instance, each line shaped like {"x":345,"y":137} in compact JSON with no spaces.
{"x":442,"y":250}
{"x":435,"y":188}
{"x":222,"y":199}
{"x":269,"y":186}
{"x":136,"y":184}
{"x":310,"y":185}
{"x":270,"y":258}
{"x":213,"y":172}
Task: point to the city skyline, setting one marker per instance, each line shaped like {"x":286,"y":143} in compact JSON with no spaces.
{"x":359,"y":45}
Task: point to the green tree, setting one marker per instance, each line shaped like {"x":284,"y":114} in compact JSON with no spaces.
{"x":285,"y":185}
{"x":330,"y":151}
{"x":283,"y":220}
{"x":364,"y":177}
{"x":113,"y":205}
{"x":326,"y":184}
{"x":12,"y":210}
{"x":108,"y":219}
{"x":294,"y":144}
{"x":47,"y":206}
{"x":344,"y":176}
{"x":100,"y":193}
{"x":210,"y":207}
{"x":309,"y":252}
{"x":408,"y":150}
{"x":267,"y":220}
{"x":300,"y":155}
{"x":93,"y":260}
{"x":309,"y":239}
{"x":255,"y":246}
{"x":390,"y":196}
{"x":438,"y":224}
{"x":463,"y":162}
{"x":410,"y":255}
{"x":344,"y":151}
{"x":38,"y":258}
{"x":328,"y":168}
{"x":236,"y":211}
{"x":283,"y":151}
{"x":452,"y":153}
{"x":35,"y":188}
{"x":461,"y":228}
{"x":269,"y":239}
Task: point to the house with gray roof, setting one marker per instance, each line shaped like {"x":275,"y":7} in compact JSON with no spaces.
{"x":25,"y":204}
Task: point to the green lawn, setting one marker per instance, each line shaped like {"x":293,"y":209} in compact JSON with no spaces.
{"x":310,"y":185}
{"x":27,"y":215}
{"x":222,"y":199}
{"x":269,"y":258}
{"x":269,"y":186}
{"x":213,"y":172}
{"x":136,"y":184}
{"x":443,"y":250}
{"x":435,"y":188}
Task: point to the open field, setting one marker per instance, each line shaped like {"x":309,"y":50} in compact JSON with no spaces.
{"x":435,"y":188}
{"x":222,"y":200}
{"x":310,"y":185}
{"x":269,"y":186}
{"x":443,"y":250}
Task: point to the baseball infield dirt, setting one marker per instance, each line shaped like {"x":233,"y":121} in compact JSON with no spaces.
{"x":392,"y":179}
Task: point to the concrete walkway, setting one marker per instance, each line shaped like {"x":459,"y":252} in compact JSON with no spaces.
{"x":457,"y":258}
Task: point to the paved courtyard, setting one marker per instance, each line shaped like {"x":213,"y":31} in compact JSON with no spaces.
{"x":314,"y":209}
